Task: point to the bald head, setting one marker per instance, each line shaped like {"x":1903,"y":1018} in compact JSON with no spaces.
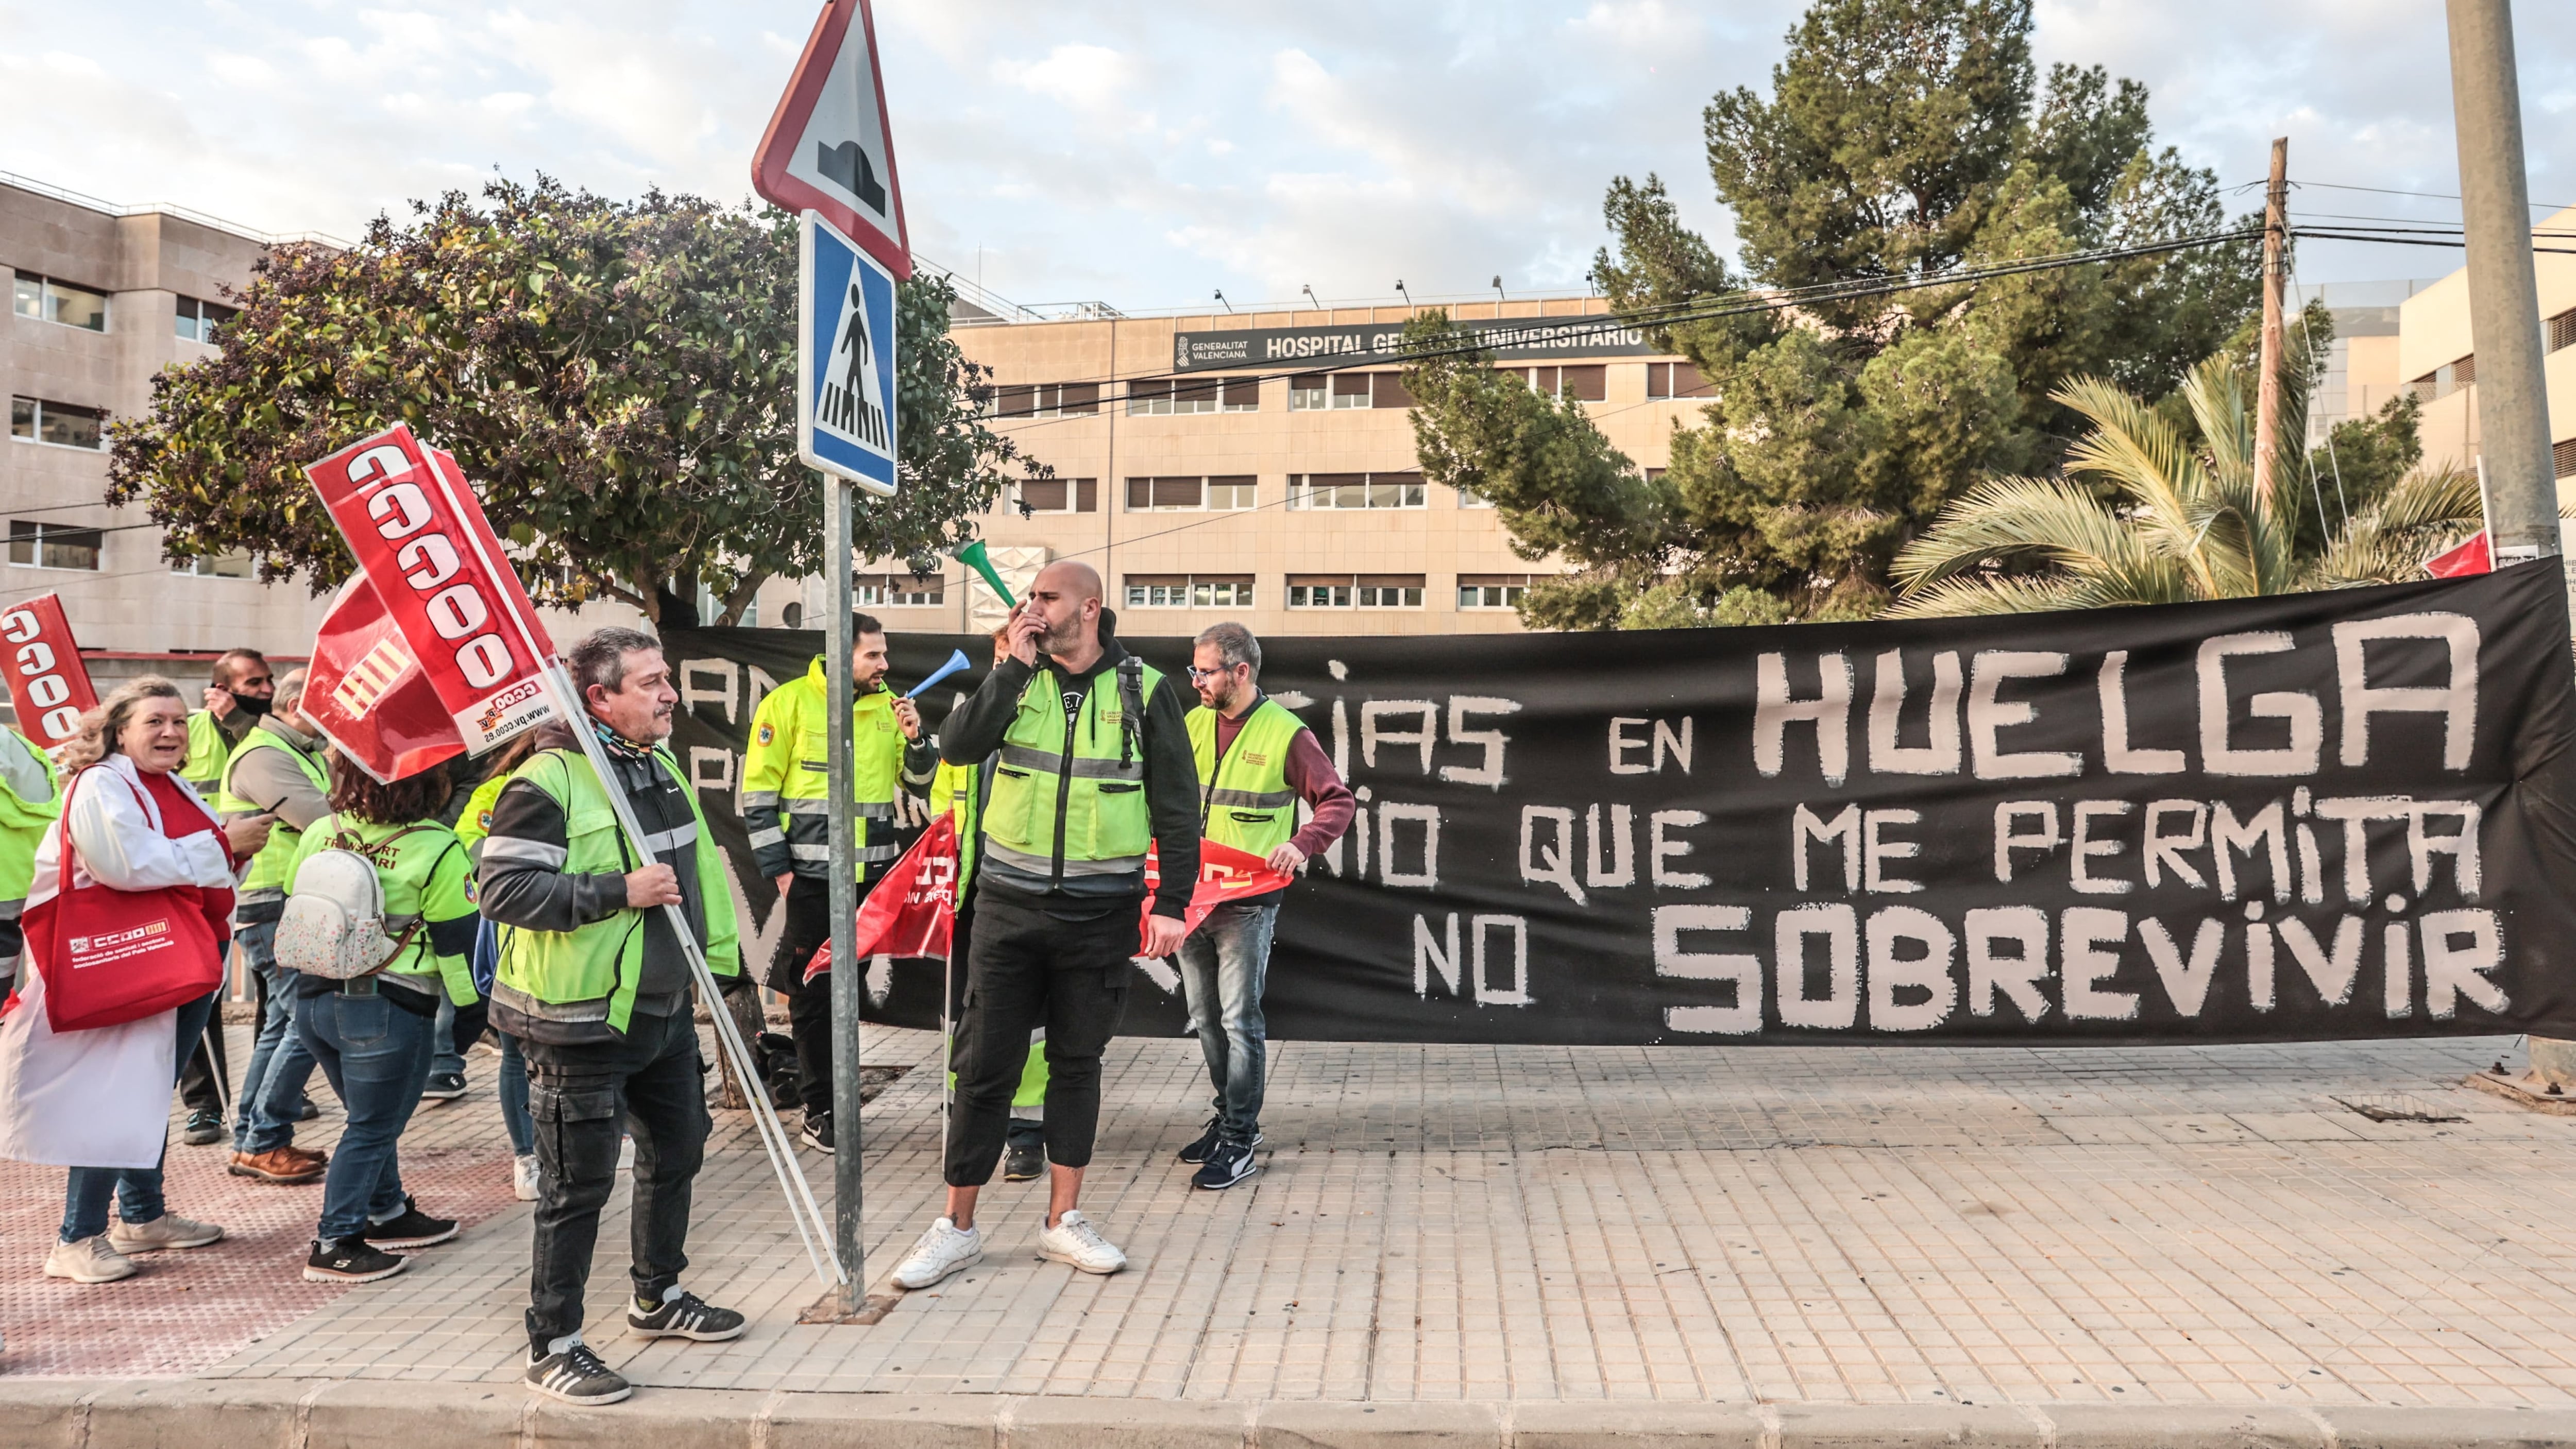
{"x":1070,"y":577}
{"x":1064,"y":600}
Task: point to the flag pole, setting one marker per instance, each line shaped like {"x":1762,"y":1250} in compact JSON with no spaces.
{"x":801,"y":1207}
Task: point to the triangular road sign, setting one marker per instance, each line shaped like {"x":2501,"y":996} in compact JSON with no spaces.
{"x":828,"y":149}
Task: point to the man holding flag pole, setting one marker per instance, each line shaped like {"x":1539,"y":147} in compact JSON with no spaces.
{"x":582,"y":970}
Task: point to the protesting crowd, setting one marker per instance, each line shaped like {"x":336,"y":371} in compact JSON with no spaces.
{"x":388,"y":928}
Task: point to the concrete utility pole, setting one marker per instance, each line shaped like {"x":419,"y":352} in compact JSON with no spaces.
{"x":2504,"y":325}
{"x":2267,"y":403}
{"x":2504,"y":300}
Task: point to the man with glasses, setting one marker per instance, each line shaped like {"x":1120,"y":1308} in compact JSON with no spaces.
{"x":1255,"y":761}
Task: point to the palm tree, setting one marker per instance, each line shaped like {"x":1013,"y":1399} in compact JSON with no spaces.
{"x":2182,"y":521}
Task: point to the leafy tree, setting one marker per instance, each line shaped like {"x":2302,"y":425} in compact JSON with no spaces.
{"x":1901,"y":139}
{"x":617,"y":378}
{"x":2153,"y":513}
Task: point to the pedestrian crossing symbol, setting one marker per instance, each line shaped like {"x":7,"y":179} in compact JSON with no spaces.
{"x":845,"y":363}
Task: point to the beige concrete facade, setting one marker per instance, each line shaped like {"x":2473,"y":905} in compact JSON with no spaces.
{"x":148,"y":267}
{"x":1202,"y":528}
{"x":2435,"y":356}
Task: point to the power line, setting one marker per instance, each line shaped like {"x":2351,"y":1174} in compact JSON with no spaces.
{"x":1672,"y":314}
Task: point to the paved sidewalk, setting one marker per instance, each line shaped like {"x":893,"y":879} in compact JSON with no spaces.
{"x":2173,"y":1226}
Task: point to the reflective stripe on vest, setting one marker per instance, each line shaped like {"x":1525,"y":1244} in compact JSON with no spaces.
{"x":793,"y":742}
{"x":1068,"y":795}
{"x":1244,"y":799}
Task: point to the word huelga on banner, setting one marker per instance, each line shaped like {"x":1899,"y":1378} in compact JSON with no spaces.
{"x":368,"y":696}
{"x":421,"y":539}
{"x":48,"y":683}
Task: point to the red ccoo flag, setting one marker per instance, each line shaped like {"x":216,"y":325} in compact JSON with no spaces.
{"x":368,"y":696}
{"x":913,"y":911}
{"x":2475,"y":556}
{"x":421,"y":539}
{"x":48,"y":683}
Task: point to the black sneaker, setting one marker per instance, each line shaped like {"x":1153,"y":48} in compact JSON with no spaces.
{"x":308,"y":1111}
{"x":204,"y":1129}
{"x":1025,"y":1162}
{"x":576,"y":1376}
{"x":444,"y":1087}
{"x":350,"y":1260}
{"x":1197,"y":1152}
{"x":414,"y":1229}
{"x":1229,"y":1164}
{"x":687,"y":1316}
{"x":818,"y":1131}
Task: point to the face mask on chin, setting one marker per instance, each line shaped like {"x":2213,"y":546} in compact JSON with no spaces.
{"x":250,"y":704}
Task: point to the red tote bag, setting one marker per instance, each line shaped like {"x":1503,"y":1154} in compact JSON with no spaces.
{"x":110,"y":956}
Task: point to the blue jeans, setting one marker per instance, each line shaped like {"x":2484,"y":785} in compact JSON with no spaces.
{"x":1224,"y":965}
{"x":272,"y":1090}
{"x":137,"y":1190}
{"x":377,"y":1057}
{"x":513,"y":1092}
{"x":444,"y":1057}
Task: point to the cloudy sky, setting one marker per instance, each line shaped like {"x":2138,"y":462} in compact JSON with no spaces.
{"x":1150,"y":154}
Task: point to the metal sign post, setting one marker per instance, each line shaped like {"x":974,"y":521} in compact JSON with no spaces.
{"x":849,"y":975}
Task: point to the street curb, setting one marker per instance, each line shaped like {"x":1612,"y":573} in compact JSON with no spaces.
{"x":388,"y":1414}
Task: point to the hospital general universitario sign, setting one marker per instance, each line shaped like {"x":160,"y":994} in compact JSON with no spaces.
{"x":1522,"y":339}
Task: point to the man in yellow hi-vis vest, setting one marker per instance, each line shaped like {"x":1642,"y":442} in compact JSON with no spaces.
{"x":1256,"y":762}
{"x":1094,"y":769}
{"x":786,"y":794}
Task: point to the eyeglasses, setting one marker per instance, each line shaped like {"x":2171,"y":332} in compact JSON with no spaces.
{"x":1198,"y":675}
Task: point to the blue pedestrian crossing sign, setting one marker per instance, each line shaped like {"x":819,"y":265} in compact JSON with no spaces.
{"x":844,"y":359}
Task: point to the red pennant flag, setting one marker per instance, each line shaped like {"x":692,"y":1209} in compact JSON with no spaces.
{"x":913,"y":909}
{"x":48,"y":683}
{"x":1225,"y":874}
{"x":2474,"y":556}
{"x":420,"y":537}
{"x":368,"y":695}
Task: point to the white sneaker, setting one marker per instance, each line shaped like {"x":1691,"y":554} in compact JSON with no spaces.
{"x":523,"y":1177}
{"x":91,"y":1260}
{"x":1073,"y":1240}
{"x":942,"y":1250}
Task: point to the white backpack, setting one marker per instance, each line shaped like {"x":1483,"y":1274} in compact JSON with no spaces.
{"x":334,"y":925}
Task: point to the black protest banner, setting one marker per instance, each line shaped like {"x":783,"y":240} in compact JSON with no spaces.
{"x":2325,"y":815}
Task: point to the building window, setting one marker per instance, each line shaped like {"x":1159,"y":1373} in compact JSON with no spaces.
{"x":199,"y":319}
{"x":2562,"y":330}
{"x":897,"y":591}
{"x":1310,"y":392}
{"x":1356,"y":490}
{"x":1355,"y":591}
{"x":1166,"y":495}
{"x":1589,"y":382}
{"x":1189,"y":591}
{"x":48,"y":300}
{"x":2447,"y":379}
{"x":1059,"y":495}
{"x":1467,"y":499}
{"x":1045,"y":400}
{"x":53,"y":545}
{"x":2562,"y":455}
{"x":1676,"y":380}
{"x":1492,"y":591}
{"x":35,"y":420}
{"x":233,"y":565}
{"x":1168,"y":395}
{"x":1230,"y":495}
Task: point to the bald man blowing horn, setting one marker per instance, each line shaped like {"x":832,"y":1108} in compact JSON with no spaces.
{"x":1095,"y":762}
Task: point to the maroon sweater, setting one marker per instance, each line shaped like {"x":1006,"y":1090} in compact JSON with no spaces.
{"x":1314,"y":779}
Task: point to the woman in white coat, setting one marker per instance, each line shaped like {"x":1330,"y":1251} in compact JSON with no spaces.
{"x":98,"y":1100}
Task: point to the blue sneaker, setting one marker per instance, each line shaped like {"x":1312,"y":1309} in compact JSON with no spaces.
{"x":1229,"y":1164}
